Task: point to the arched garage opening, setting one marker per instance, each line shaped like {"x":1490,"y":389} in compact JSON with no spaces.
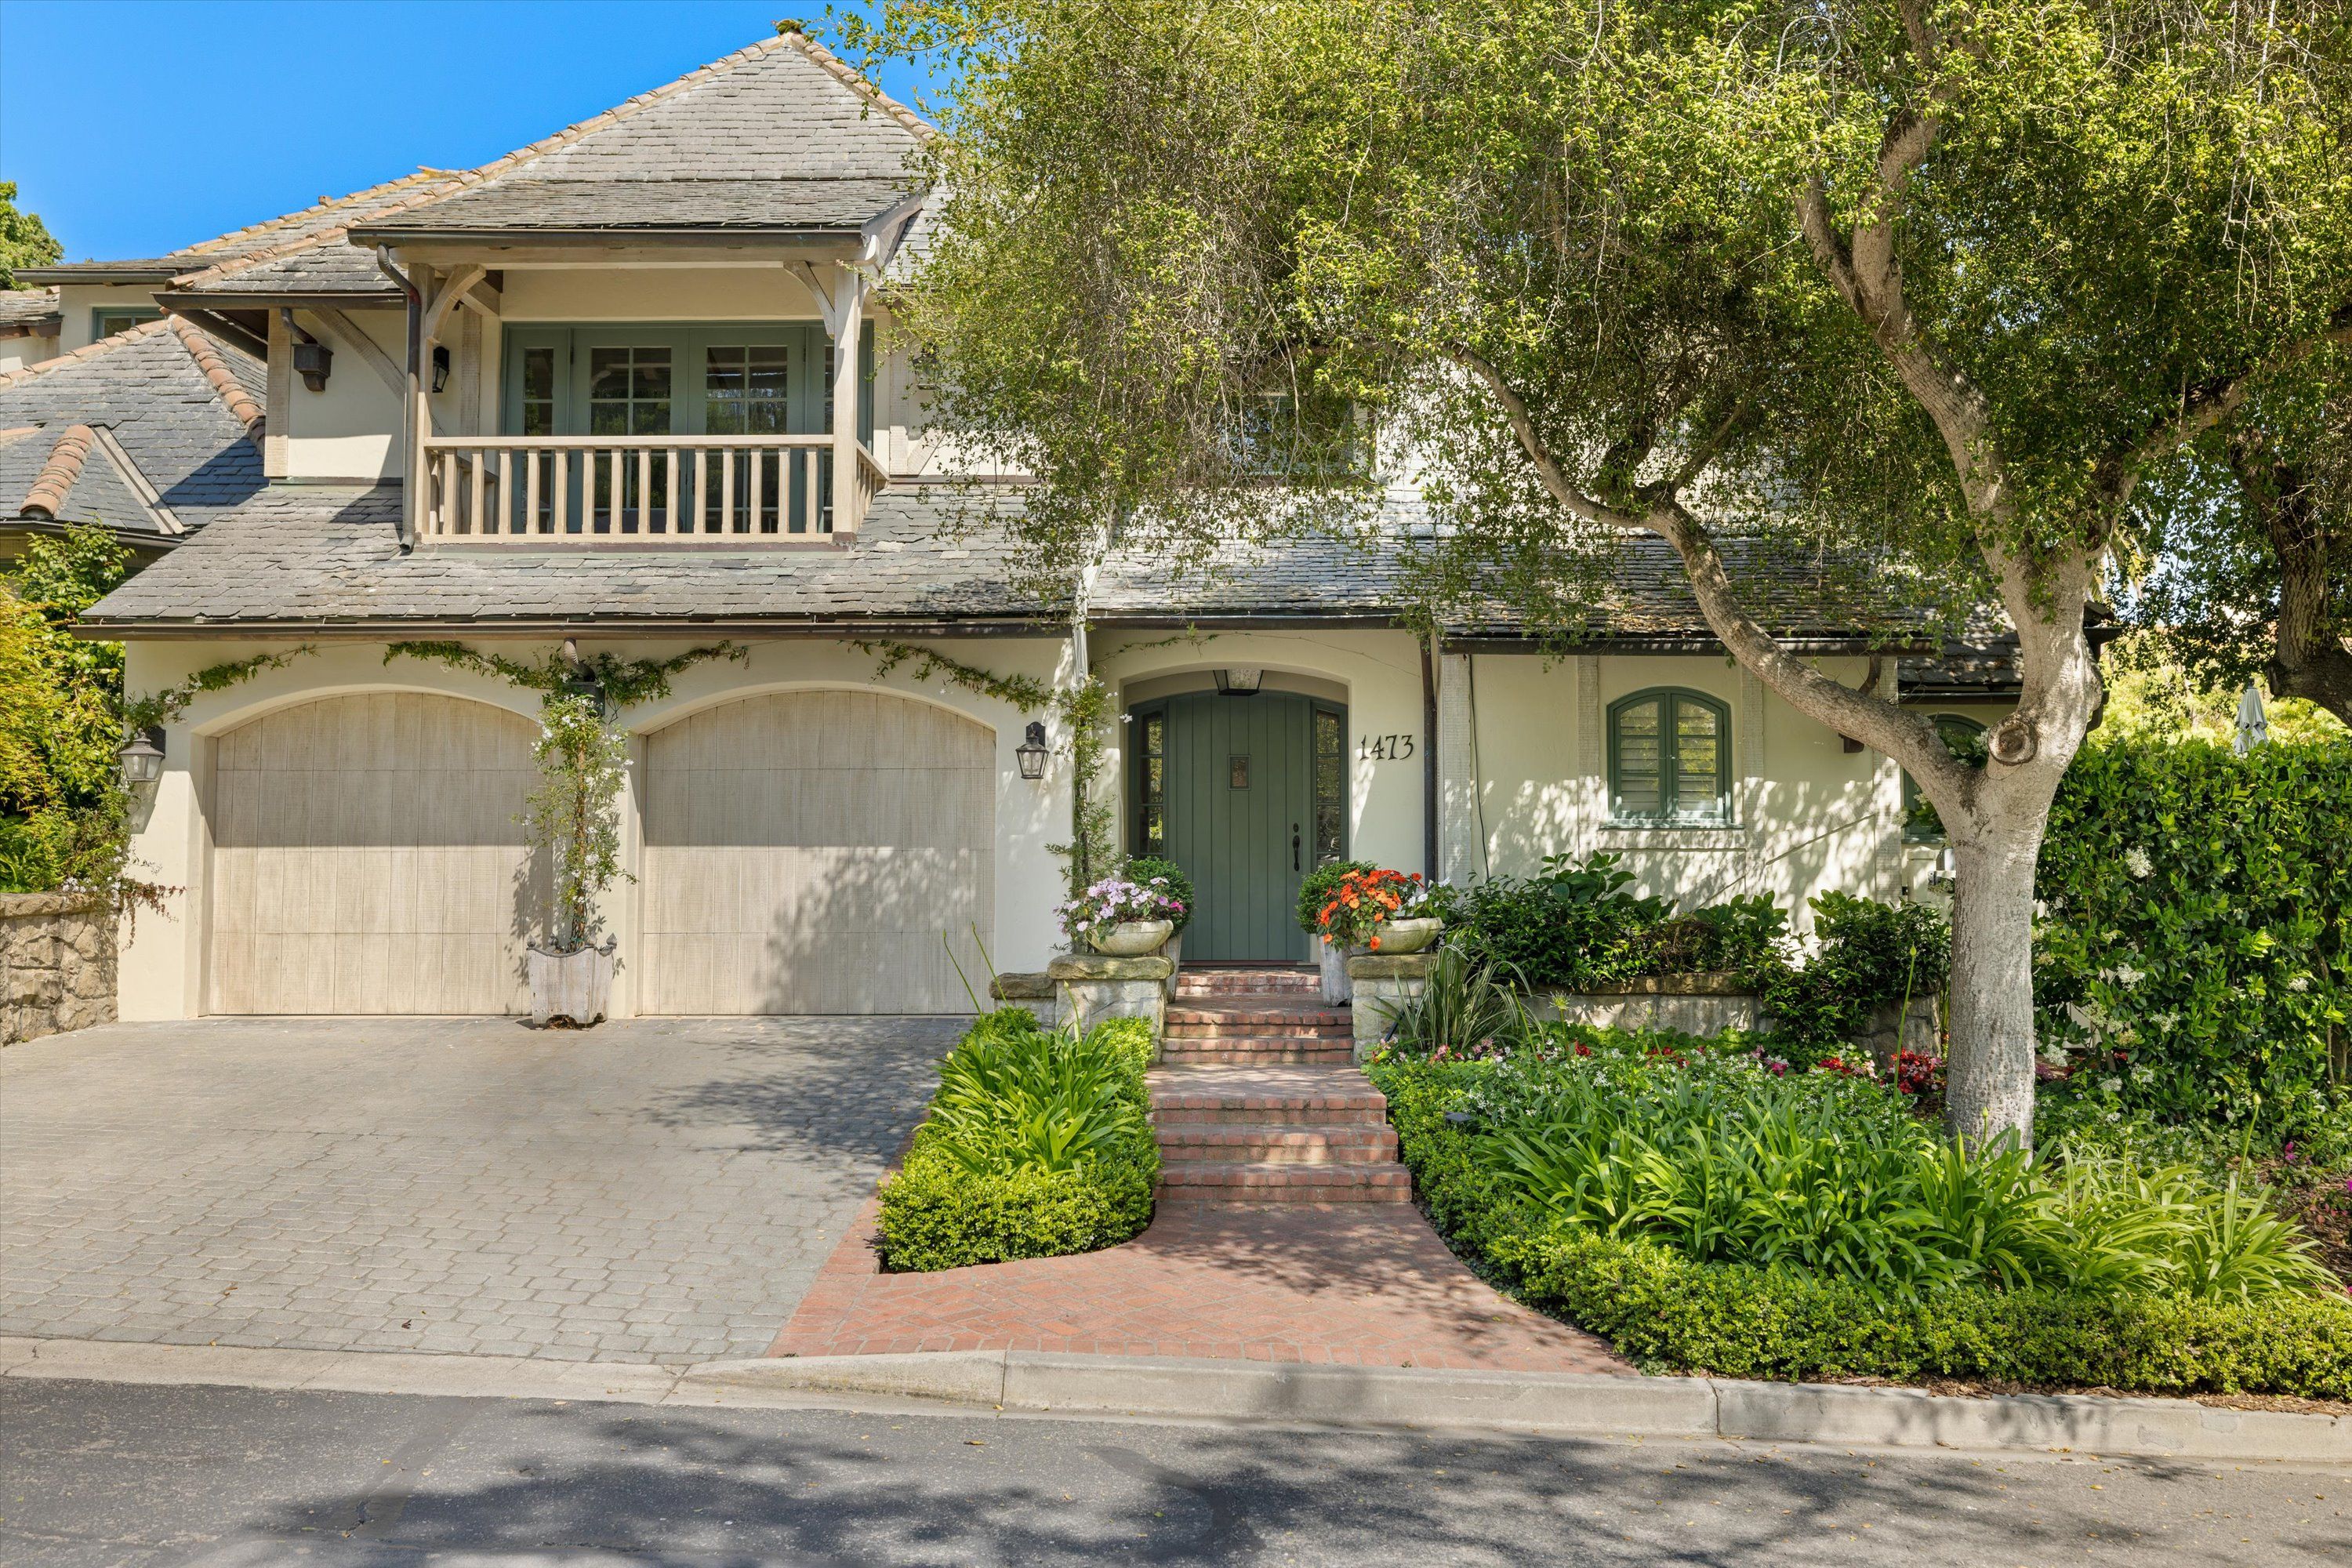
{"x":367,"y":858}
{"x":808,"y":851}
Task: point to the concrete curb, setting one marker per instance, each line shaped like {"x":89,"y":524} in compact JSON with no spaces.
{"x":1040,"y":1382}
{"x":1563,"y":1403}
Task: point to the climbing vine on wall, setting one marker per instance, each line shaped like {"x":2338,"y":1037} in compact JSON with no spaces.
{"x":1025,"y":692}
{"x":162,"y":707}
{"x":626,"y":681}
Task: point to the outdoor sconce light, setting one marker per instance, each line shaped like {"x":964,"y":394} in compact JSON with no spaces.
{"x":141,"y":757}
{"x":440,"y":367}
{"x":1239,"y":682}
{"x":314,"y":363}
{"x":1031,"y":752}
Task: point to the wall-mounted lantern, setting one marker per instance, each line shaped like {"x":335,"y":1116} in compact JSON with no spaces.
{"x":141,"y":757}
{"x":440,"y":367}
{"x":1239,"y":682}
{"x":1031,"y":752}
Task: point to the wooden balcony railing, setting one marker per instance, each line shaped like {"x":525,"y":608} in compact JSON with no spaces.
{"x":602,"y":491}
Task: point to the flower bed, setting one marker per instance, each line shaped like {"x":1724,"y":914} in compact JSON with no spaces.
{"x":1748,"y":1283}
{"x":1037,"y":1144}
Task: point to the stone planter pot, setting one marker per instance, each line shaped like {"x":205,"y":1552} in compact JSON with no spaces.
{"x":574,"y":986}
{"x":1333,"y":960}
{"x":1408,"y":935}
{"x":1174,"y":953}
{"x":1134,"y":939}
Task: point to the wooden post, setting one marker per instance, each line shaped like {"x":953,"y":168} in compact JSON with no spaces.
{"x":849,"y":310}
{"x":273,"y":453}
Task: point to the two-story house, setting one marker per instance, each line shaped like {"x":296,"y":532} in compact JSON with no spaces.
{"x":621,"y":388}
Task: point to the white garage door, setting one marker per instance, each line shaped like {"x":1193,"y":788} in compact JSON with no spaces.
{"x":367,"y":858}
{"x":807,"y":852}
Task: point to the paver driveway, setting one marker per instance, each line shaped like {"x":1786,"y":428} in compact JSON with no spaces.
{"x":648,"y":1190}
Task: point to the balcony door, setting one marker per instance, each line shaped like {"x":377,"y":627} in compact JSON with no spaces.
{"x":761,"y":378}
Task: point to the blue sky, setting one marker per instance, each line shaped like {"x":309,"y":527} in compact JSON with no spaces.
{"x":136,"y":126}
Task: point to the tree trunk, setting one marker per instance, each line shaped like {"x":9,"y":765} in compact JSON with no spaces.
{"x":1988,"y":1075}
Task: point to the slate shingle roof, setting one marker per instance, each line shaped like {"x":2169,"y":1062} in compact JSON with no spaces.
{"x":781,"y":134}
{"x":316,"y":230}
{"x":172,"y":419}
{"x":25,"y":310}
{"x":316,"y":555}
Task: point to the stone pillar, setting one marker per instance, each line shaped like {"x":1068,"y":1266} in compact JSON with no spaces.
{"x":1030,"y":989}
{"x":1384,"y":983}
{"x":1093,"y":986}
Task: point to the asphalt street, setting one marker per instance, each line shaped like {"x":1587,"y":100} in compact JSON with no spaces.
{"x":111,"y":1474}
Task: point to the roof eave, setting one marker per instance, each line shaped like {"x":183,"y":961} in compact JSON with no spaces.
{"x":96,"y":272}
{"x":271,"y":298}
{"x":686,"y":237}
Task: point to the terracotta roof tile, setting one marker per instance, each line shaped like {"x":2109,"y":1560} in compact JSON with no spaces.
{"x":241,"y":402}
{"x":57,"y":477}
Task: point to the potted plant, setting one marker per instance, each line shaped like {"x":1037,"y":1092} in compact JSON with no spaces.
{"x":1152,"y":871}
{"x":1314,"y":892}
{"x":574,"y":816}
{"x":1379,"y":911}
{"x":1120,"y":917}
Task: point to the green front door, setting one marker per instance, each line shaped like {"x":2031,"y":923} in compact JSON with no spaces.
{"x":1239,"y":792}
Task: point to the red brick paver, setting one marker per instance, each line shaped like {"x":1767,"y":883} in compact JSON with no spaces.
{"x":1358,"y":1284}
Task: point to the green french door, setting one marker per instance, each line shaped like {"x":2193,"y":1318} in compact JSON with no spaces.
{"x":1246,"y":795}
{"x":755,"y":378}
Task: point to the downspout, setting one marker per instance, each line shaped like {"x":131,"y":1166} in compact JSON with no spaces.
{"x":1429,"y":754}
{"x":410,"y":498}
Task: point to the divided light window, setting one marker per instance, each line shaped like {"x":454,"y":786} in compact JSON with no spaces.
{"x":1330,"y":786}
{"x":1669,"y":758}
{"x":1151,"y":782}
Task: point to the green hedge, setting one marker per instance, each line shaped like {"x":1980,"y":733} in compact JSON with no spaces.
{"x":2195,"y":952}
{"x":938,"y":1213}
{"x":1664,"y":1311}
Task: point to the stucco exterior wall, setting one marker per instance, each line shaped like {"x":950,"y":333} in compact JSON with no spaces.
{"x":163,"y":966}
{"x":350,"y":430}
{"x":1809,"y":815}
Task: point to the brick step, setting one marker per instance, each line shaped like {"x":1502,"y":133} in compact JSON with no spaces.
{"x":1256,"y":1030}
{"x":1258,"y":1019}
{"x":1280,"y":1145}
{"x":1313,"y":1095}
{"x":1248,"y":983}
{"x":1262,"y":1182}
{"x":1259,"y":1034}
{"x":1294,"y":1053}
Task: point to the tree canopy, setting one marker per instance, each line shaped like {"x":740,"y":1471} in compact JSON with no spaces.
{"x":25,"y":239}
{"x":1922,"y":291}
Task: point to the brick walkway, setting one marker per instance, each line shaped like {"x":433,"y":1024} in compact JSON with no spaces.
{"x":1355,"y":1284}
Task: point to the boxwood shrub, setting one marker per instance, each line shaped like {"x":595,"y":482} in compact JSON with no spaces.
{"x":1668,"y":1312}
{"x":975,"y":1189}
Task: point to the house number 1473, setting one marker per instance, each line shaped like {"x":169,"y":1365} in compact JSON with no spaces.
{"x":1384,"y":748}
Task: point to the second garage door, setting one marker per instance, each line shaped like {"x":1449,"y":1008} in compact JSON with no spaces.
{"x":817,"y":852}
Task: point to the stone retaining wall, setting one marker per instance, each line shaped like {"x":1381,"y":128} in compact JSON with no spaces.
{"x":1703,"y":1003}
{"x":56,"y":965}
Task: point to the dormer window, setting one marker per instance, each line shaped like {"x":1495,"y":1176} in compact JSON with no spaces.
{"x":1279,"y":434}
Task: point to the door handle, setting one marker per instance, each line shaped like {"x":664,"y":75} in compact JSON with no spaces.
{"x":1294,"y":847}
